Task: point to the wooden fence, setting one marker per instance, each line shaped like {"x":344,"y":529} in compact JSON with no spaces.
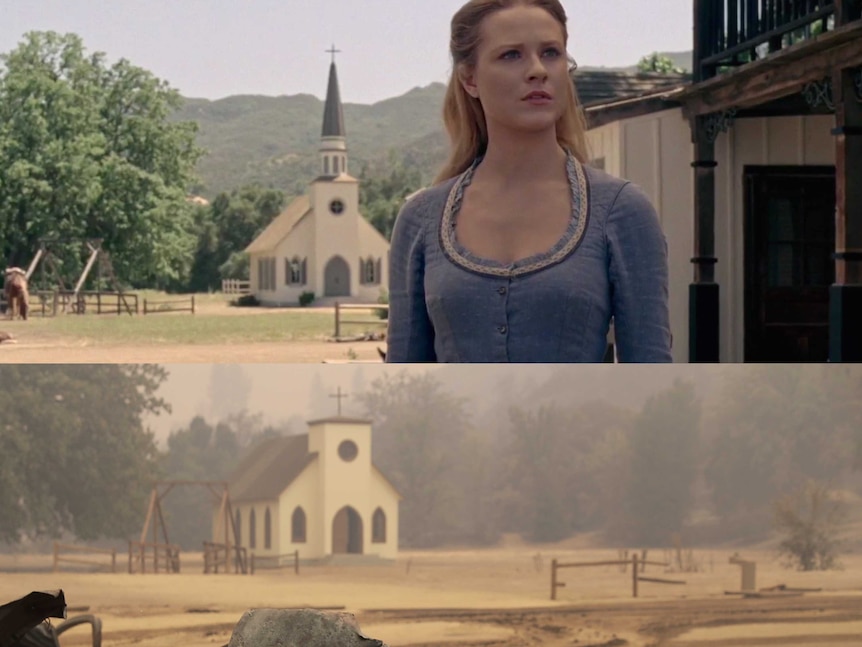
{"x":637,"y":569}
{"x":59,"y":549}
{"x":274,"y":561}
{"x":217,"y":555}
{"x":162,"y":557}
{"x":235,"y":286}
{"x":48,"y":303}
{"x":366,"y":307}
{"x":172,"y":305}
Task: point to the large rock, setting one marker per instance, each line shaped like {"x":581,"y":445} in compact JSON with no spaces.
{"x":298,"y":628}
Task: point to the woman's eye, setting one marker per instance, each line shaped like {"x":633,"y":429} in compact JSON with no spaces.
{"x":552,"y":52}
{"x":512,"y":53}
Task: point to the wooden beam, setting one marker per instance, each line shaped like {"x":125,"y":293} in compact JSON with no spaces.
{"x":609,"y":113}
{"x":150,"y":510}
{"x":779,"y":74}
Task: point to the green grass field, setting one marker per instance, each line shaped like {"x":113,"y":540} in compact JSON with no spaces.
{"x":215,"y":322}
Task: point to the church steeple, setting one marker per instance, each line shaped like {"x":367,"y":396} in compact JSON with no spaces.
{"x":333,"y":140}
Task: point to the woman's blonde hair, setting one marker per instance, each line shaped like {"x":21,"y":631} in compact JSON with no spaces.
{"x":463,"y":115}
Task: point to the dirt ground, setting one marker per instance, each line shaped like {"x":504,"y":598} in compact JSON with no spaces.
{"x":498,"y":597}
{"x":297,"y":352}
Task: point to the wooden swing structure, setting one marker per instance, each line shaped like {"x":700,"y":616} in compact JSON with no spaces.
{"x":74,"y":299}
{"x":163,"y":554}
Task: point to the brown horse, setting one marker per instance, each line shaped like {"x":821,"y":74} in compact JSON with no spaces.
{"x":15,"y":289}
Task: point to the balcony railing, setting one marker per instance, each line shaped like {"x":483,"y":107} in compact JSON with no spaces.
{"x":730,"y":33}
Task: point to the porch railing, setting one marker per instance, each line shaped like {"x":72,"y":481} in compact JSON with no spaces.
{"x":730,"y":33}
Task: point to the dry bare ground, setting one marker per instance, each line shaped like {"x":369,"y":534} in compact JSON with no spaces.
{"x":289,"y":352}
{"x":487,"y":597}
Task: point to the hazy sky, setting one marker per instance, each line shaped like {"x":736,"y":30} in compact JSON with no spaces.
{"x":216,"y":48}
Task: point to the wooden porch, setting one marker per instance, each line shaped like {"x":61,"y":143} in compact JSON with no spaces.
{"x":773,"y":58}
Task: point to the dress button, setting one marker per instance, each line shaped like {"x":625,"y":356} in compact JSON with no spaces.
{"x":502,"y":329}
{"x":502,"y":290}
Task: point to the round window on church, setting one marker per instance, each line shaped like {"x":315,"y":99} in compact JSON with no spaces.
{"x":348,"y":450}
{"x":336,"y":207}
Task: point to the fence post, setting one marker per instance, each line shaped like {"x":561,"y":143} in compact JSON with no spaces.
{"x":251,"y":566}
{"x":193,"y":304}
{"x":145,"y":306}
{"x":113,"y":560}
{"x":337,"y":319}
{"x":554,"y":579}
{"x":296,"y":562}
{"x":635,"y":575}
{"x":56,"y":557}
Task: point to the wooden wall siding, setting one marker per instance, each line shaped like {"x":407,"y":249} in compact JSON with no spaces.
{"x":804,"y":141}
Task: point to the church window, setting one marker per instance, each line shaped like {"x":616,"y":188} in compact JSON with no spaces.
{"x":238,"y":528}
{"x":378,"y":527}
{"x":370,"y":271}
{"x":336,"y":207}
{"x":297,"y":526}
{"x":348,"y":450}
{"x":326,"y":164}
{"x":251,"y":530}
{"x":295,"y":271}
{"x":335,"y":165}
{"x":266,"y":273}
{"x":267,"y":530}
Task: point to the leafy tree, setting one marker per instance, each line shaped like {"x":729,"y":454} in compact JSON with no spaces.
{"x":87,"y":150}
{"x":205,"y":452}
{"x":659,"y":64}
{"x":382,"y":192}
{"x":420,"y":432}
{"x":74,"y":453}
{"x":233,"y":221}
{"x":664,"y":464}
{"x":809,"y":521}
{"x":777,"y":425}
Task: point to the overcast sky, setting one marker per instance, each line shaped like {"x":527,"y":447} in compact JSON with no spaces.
{"x":216,"y":48}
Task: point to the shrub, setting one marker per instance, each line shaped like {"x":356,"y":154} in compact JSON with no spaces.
{"x":306,"y":298}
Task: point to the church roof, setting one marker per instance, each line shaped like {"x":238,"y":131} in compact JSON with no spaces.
{"x":281,"y":226}
{"x":270,"y":467}
{"x":275,"y":463}
{"x":345,"y":420}
{"x":333,"y":114}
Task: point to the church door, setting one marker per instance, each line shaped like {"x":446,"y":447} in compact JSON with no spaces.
{"x":347,"y":532}
{"x":789,"y":240}
{"x":336,"y":276}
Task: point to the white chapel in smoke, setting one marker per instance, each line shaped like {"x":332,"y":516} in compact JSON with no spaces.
{"x":321,"y":243}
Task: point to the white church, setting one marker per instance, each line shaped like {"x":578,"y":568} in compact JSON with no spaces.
{"x":321,"y":243}
{"x":318,"y":493}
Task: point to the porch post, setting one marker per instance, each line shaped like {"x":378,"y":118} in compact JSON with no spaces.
{"x":845,"y":296}
{"x":703,"y":315}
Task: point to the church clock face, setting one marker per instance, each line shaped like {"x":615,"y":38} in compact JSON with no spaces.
{"x":347,"y":450}
{"x":336,"y":207}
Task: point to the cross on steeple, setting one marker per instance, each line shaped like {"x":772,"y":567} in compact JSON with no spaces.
{"x":339,"y":395}
{"x":333,"y":51}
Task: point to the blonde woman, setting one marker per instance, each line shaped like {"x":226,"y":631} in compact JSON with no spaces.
{"x":521,"y":252}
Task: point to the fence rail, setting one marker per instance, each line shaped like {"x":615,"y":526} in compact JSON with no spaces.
{"x":171,"y":305}
{"x":235,"y":286}
{"x":48,"y":303}
{"x":59,"y":557}
{"x":274,"y":561}
{"x":165,"y":555}
{"x":637,"y":569}
{"x":366,"y":307}
{"x":219,"y":555}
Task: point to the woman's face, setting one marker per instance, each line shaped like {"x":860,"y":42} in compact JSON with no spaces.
{"x":521,"y":72}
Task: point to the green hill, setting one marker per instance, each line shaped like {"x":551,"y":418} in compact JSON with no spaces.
{"x":273,"y":141}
